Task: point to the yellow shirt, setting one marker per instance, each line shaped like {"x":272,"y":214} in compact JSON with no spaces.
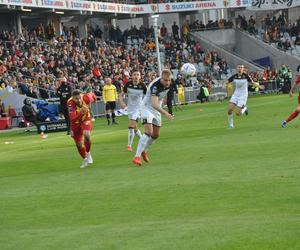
{"x":109,"y":93}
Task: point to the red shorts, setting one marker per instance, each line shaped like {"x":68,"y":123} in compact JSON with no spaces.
{"x":77,"y":130}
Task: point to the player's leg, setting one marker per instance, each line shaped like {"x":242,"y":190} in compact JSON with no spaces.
{"x":230,"y":114}
{"x":148,"y":128}
{"x":87,"y":131}
{"x":77,"y":134}
{"x":136,"y":116}
{"x":131,"y":132}
{"x":292,"y":116}
{"x":107,"y":112}
{"x":113,"y":115}
{"x":242,"y":103}
{"x":147,"y":118}
{"x":154,"y":136}
{"x":238,"y":111}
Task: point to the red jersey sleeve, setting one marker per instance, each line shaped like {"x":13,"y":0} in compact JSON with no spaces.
{"x":89,"y":97}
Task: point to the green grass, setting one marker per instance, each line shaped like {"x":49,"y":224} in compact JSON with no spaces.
{"x":207,"y":187}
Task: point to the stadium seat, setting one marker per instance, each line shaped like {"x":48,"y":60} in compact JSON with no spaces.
{"x":15,"y":119}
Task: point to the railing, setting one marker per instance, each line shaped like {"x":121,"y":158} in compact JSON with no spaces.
{"x":225,"y":51}
{"x":259,"y":38}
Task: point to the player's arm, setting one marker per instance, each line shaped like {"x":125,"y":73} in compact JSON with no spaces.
{"x":226,"y":82}
{"x":155,"y":105}
{"x":254,"y":84}
{"x":121,"y":100}
{"x":122,"y":96}
{"x":89,"y":97}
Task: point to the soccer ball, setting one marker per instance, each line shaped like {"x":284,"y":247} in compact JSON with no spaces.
{"x":188,"y":70}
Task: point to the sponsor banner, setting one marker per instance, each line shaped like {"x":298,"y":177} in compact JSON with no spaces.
{"x":122,"y":8}
{"x":80,"y":5}
{"x":55,"y":126}
{"x":29,"y":3}
{"x":240,"y":3}
{"x":273,"y":4}
{"x":154,"y":8}
{"x":191,"y":6}
{"x":53,"y":4}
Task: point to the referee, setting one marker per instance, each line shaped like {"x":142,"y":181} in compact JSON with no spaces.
{"x":64,"y":92}
{"x":110,"y":97}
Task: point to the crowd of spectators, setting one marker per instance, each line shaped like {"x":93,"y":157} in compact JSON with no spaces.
{"x":273,"y":79}
{"x":34,"y":63}
{"x":273,"y":30}
{"x":35,"y":67}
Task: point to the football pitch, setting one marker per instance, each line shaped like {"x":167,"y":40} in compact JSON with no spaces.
{"x":207,"y":187}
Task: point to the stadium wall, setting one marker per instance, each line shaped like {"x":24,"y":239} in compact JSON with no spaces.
{"x":231,"y":59}
{"x":246,"y":45}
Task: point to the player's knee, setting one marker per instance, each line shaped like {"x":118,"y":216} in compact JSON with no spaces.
{"x":154,"y":137}
{"x":148,"y":133}
{"x":238,"y":113}
{"x":87,"y":138}
{"x":298,"y":109}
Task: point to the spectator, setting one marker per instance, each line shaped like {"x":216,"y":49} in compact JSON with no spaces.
{"x":29,"y":112}
{"x":31,"y":93}
{"x":297,"y":41}
{"x":2,"y":109}
{"x":175,"y":30}
{"x":163,"y":31}
{"x":98,"y":91}
{"x":64,"y":92}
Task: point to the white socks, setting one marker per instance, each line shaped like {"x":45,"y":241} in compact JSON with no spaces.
{"x":230,"y":120}
{"x":138,"y":133}
{"x":244,"y":110}
{"x":143,"y":142}
{"x":149,"y":142}
{"x":130,"y":136}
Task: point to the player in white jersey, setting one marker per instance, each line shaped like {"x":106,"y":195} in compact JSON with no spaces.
{"x":135,"y":91}
{"x":241,"y":80}
{"x":151,"y":110}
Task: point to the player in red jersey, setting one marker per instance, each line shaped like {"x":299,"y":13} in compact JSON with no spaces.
{"x":297,"y":111}
{"x":81,"y":123}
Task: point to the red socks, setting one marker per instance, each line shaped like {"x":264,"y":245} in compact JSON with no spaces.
{"x":84,"y":149}
{"x":292,"y":116}
{"x":82,"y":152}
{"x":87,"y":145}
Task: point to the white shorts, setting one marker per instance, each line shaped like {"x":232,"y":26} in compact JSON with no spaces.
{"x":239,"y":100}
{"x":134,"y":115}
{"x":151,"y":117}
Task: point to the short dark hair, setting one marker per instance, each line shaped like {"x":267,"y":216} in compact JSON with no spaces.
{"x":136,"y":70}
{"x":76,"y":92}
